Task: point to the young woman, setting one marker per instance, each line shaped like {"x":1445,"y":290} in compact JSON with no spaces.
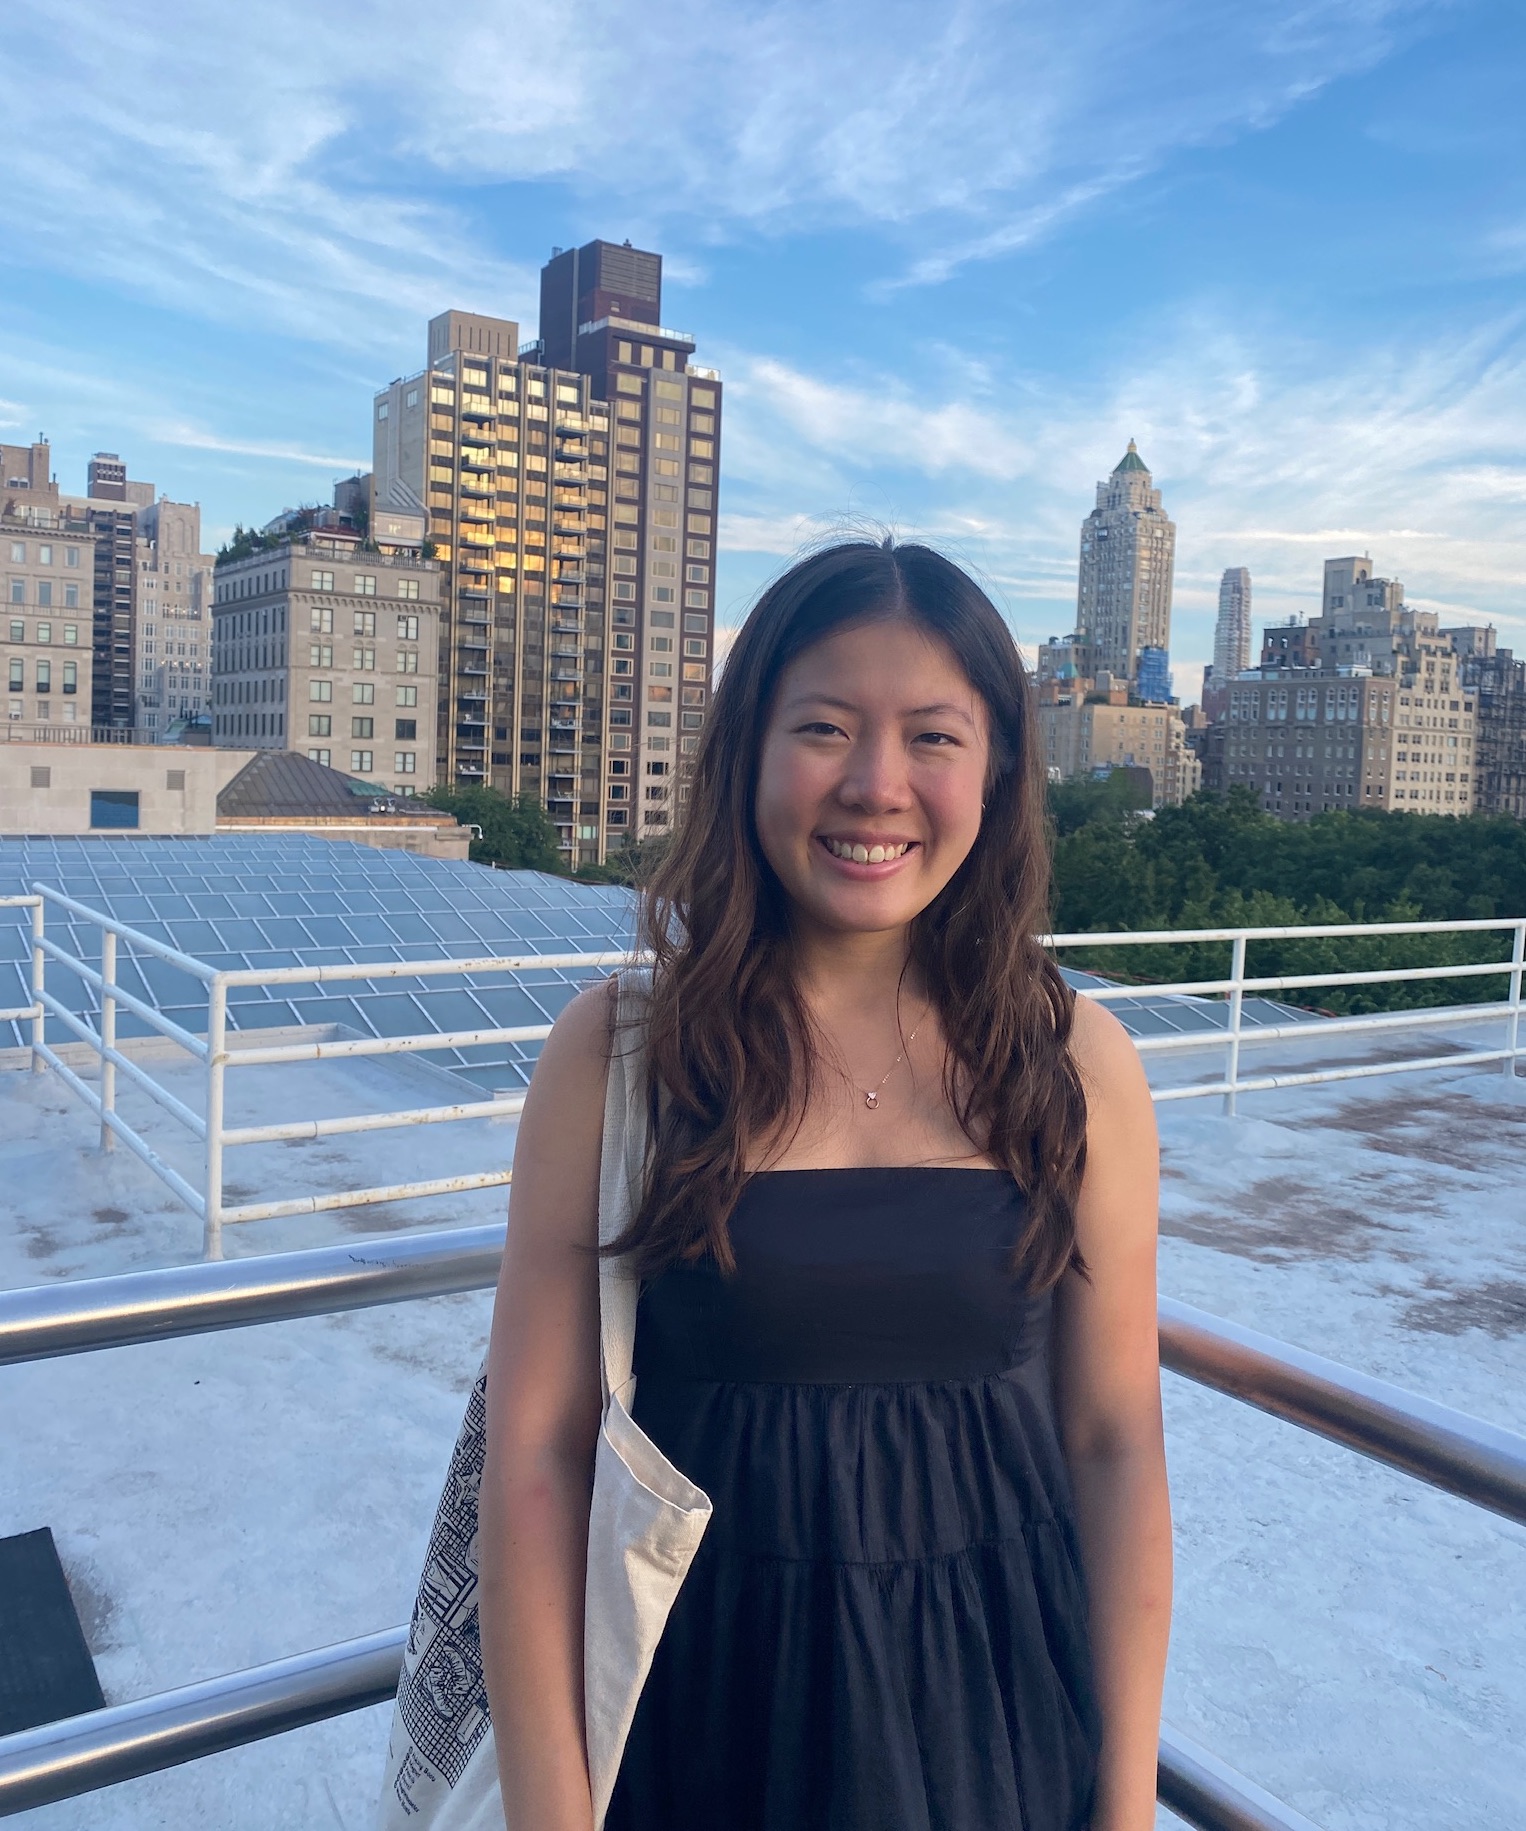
{"x":897,"y":1245}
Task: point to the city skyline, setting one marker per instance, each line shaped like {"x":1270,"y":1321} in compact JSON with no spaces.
{"x":1296,"y":284}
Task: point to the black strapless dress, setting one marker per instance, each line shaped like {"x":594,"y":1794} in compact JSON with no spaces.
{"x":884,"y":1628}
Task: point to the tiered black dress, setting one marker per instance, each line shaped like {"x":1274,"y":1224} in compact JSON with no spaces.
{"x":885,"y":1626}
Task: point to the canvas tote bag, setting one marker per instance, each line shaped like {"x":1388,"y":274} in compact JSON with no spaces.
{"x":645,"y":1524}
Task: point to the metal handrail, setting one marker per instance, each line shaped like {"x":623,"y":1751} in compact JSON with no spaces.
{"x":80,"y":1315}
{"x":1197,"y":1786}
{"x":1460,"y":1454}
{"x":105,"y":1747}
{"x":1451,"y":1450}
{"x":102,"y":1748}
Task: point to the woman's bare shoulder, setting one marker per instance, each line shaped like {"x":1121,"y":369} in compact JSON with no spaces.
{"x":1100,"y":1046}
{"x":573,"y":1065}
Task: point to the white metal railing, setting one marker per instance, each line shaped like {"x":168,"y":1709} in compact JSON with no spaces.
{"x":1236,"y":1033}
{"x":213,"y":1051}
{"x":32,"y":1012}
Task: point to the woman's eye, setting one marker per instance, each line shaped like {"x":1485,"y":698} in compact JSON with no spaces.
{"x":935,"y":737}
{"x":820,"y":727}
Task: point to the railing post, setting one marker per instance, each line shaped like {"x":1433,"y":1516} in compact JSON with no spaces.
{"x":108,"y":1035}
{"x":1236,"y":999}
{"x":212,"y":1192}
{"x":1513,"y":1022}
{"x":39,"y":984}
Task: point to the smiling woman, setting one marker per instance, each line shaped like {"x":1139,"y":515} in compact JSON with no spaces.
{"x":894,"y":1531}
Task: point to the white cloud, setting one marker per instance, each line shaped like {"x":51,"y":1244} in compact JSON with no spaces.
{"x":283,"y":165}
{"x":1269,"y":456}
{"x":192,"y":438}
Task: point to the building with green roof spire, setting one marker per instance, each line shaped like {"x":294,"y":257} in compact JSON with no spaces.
{"x":1128,"y":561}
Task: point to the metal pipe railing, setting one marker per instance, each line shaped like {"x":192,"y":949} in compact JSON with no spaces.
{"x":1451,"y":1450}
{"x":1462,"y":1455}
{"x":1208,"y":1793}
{"x":80,"y":1315}
{"x":106,"y":1747}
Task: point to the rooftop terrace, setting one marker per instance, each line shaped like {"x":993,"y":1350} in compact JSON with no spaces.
{"x":220,"y":1501}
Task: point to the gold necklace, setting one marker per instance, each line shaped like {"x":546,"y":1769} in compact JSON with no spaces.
{"x":872,"y":1095}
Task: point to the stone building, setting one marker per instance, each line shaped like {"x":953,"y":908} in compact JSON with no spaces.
{"x":49,"y":579}
{"x":172,"y":637}
{"x":1128,"y":559}
{"x":1498,"y":682}
{"x":329,"y":646}
{"x":1087,"y":729}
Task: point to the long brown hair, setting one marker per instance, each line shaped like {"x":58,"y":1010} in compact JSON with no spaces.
{"x":729,"y":1042}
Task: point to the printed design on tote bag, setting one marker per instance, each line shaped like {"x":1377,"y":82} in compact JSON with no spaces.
{"x":443,"y":1699}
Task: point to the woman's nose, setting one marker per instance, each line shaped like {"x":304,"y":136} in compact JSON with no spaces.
{"x":875,"y":778}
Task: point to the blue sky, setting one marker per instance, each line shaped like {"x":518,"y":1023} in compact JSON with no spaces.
{"x":948,"y":257}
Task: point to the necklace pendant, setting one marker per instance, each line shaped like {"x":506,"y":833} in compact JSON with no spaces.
{"x":872,"y":1100}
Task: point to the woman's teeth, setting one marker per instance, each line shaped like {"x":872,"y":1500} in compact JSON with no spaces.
{"x":865,"y":855}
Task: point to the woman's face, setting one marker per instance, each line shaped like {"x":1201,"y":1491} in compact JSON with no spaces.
{"x":872,"y":776}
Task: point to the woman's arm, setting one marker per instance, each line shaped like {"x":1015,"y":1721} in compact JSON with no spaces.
{"x":1108,"y":1385}
{"x":543,"y":1405}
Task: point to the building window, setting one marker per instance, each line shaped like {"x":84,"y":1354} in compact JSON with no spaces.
{"x":363,"y":727}
{"x":322,"y":620}
{"x":45,"y":556}
{"x":407,"y":661}
{"x":320,"y":655}
{"x":360,"y":760}
{"x":18,"y":676}
{"x":363,"y":693}
{"x":114,"y":807}
{"x":45,"y":593}
{"x":45,"y":677}
{"x":407,"y":696}
{"x":44,"y":632}
{"x":365,"y":660}
{"x":71,"y":594}
{"x":320,"y":756}
{"x":18,"y":591}
{"x":365,"y":623}
{"x":405,"y":763}
{"x":323,"y":581}
{"x":320,"y":691}
{"x":18,"y":553}
{"x":407,"y":588}
{"x":320,"y":724}
{"x":408,"y":629}
{"x":71,"y":676}
{"x":365,"y":584}
{"x":406,"y":728}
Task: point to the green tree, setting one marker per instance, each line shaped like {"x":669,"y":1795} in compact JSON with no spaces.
{"x":1223,"y":862}
{"x":517,"y":835}
{"x":632,"y":864}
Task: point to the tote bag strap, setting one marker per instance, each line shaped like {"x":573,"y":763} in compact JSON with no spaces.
{"x":622,"y":1165}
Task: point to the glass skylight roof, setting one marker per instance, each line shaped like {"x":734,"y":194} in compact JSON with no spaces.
{"x":250,"y":900}
{"x":286,"y":900}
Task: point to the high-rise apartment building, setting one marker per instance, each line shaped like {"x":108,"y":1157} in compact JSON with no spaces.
{"x":327,"y":644}
{"x":1128,"y":558}
{"x":570,"y":493}
{"x":172,"y":639}
{"x":1232,"y":629}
